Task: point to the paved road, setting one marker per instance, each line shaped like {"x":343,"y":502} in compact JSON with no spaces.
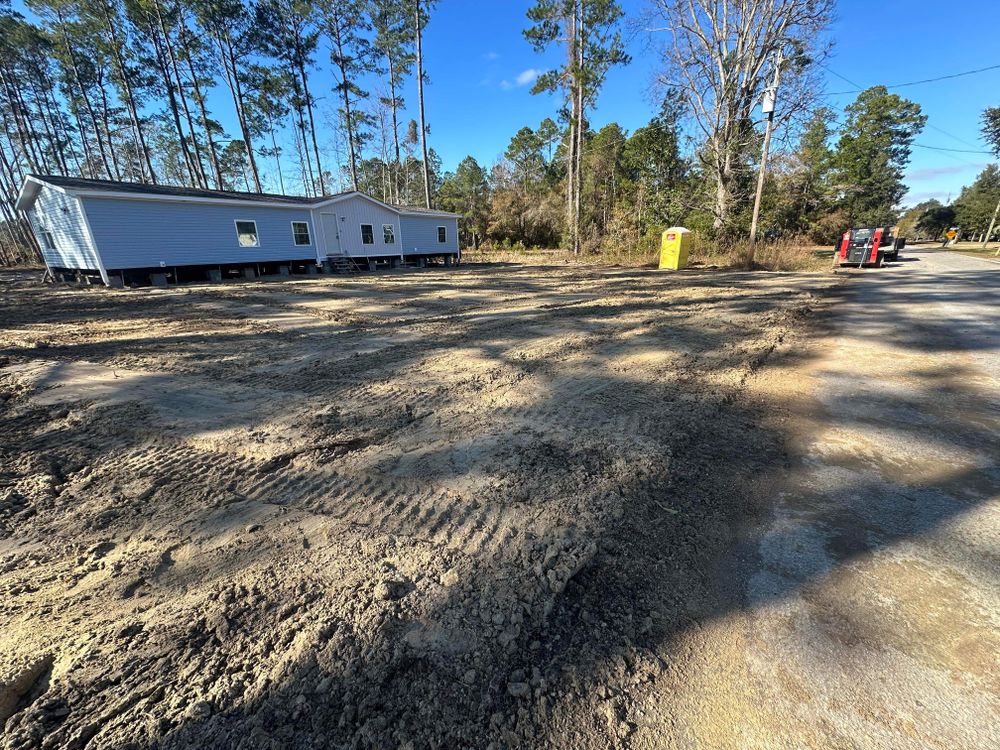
{"x":871,"y":592}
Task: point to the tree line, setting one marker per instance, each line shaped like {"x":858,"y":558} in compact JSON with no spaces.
{"x":634,"y":185}
{"x":976,"y":210}
{"x":125,"y":90}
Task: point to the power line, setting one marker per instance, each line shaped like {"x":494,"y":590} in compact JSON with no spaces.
{"x":917,"y":83}
{"x":932,"y":127}
{"x":842,"y":78}
{"x":952,"y":150}
{"x":953,"y":137}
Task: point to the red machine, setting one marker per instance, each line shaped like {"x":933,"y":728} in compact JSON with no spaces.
{"x":869,"y":246}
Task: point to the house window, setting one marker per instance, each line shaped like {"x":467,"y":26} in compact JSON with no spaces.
{"x":367,"y":234}
{"x":48,"y":239}
{"x":300,"y":233}
{"x":388,"y":234}
{"x":246,"y":233}
{"x":442,"y":234}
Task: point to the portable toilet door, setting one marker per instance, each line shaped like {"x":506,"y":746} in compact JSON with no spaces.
{"x":674,"y":247}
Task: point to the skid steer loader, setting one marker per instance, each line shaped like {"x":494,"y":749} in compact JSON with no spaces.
{"x":869,"y":246}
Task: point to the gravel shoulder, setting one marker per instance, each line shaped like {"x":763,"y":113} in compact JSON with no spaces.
{"x":869,"y":585}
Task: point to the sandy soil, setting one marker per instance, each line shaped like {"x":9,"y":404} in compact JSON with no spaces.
{"x":490,"y":507}
{"x":444,"y":509}
{"x":868,"y":586}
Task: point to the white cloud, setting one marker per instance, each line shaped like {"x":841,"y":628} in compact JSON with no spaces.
{"x":505,"y":84}
{"x":491,"y":56}
{"x":932,"y":172}
{"x":527,"y":76}
{"x":912,"y":199}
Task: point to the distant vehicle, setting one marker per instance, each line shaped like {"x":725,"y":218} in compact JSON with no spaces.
{"x":869,"y":246}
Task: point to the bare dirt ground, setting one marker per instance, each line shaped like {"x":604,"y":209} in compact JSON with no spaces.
{"x":483,"y":508}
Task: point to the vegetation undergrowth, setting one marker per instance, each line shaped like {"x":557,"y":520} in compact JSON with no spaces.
{"x":784,"y":254}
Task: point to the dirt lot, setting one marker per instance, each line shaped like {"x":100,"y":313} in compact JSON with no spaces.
{"x":490,"y":507}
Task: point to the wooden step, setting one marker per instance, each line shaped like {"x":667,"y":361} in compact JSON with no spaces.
{"x":342,"y":264}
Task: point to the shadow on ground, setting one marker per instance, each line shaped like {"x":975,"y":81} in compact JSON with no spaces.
{"x":494,"y":533}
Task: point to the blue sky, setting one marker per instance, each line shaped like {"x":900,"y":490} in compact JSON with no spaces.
{"x":481,"y":70}
{"x":476,"y":53}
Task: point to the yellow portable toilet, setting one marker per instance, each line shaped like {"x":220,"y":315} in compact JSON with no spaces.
{"x":674,"y":248}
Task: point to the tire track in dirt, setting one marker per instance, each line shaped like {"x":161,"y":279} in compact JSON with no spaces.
{"x":406,"y":536}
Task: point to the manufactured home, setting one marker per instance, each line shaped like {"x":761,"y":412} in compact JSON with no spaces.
{"x":129,"y":232}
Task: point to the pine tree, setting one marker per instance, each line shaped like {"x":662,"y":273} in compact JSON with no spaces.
{"x":233,"y":33}
{"x":288,"y":31}
{"x":593,"y":45}
{"x":467,"y":192}
{"x":126,"y":74}
{"x":394,"y":41}
{"x":351,"y":54}
{"x":420,"y":18}
{"x":872,"y":154}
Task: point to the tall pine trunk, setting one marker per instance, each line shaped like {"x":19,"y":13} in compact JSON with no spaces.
{"x":130,"y":103}
{"x":163,"y":64}
{"x":17,"y":115}
{"x":213,"y":154}
{"x":571,"y":160}
{"x":88,"y":156}
{"x":59,"y":125}
{"x":307,"y":162}
{"x":196,"y":158}
{"x":106,"y":108}
{"x":420,"y":96}
{"x":312,"y":126}
{"x":199,"y":95}
{"x":580,"y":125}
{"x":277,"y":158}
{"x":17,"y":154}
{"x":74,"y":68}
{"x":228,"y":59}
{"x":345,"y":90}
{"x":395,"y":128}
{"x":52,"y":154}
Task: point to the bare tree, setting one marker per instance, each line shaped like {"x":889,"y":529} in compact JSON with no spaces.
{"x":719,"y":57}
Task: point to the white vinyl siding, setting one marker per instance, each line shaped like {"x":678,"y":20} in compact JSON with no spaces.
{"x":351,"y":213}
{"x":59,"y":216}
{"x":246,"y":233}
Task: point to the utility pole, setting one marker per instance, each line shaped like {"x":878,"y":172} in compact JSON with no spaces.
{"x":993,"y":223}
{"x":767,"y":106}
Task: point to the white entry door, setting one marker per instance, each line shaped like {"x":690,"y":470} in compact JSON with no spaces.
{"x":331,"y":233}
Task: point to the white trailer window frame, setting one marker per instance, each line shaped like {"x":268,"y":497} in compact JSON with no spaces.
{"x":48,"y":239}
{"x":371,"y":234}
{"x":389,"y":234}
{"x":239,"y":234}
{"x":442,"y":235}
{"x":297,"y":233}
